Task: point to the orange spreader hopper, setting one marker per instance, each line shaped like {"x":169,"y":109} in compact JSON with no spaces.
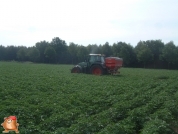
{"x":113,"y":64}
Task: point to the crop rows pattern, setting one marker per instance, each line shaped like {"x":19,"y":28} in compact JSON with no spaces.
{"x":49,"y":99}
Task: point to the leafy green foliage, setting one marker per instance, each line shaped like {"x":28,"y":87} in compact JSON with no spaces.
{"x":143,"y":53}
{"x":49,"y":99}
{"x":170,"y":53}
{"x":150,"y":53}
{"x":50,"y":54}
{"x":22,"y":54}
{"x":34,"y":54}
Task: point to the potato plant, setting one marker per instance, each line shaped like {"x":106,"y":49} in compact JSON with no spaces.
{"x":49,"y":99}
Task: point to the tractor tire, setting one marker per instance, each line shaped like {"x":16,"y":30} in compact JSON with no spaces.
{"x":76,"y":70}
{"x":97,"y":70}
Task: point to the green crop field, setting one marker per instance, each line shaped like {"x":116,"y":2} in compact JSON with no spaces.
{"x":48,"y":99}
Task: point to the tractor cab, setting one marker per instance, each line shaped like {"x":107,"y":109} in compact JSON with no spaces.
{"x":95,"y":58}
{"x":94,"y":64}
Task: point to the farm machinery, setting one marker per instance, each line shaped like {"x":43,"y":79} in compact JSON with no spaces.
{"x":98,"y":64}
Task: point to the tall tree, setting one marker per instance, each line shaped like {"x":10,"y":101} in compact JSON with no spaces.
{"x":100,"y":49}
{"x":2,"y":52}
{"x":33,"y":54}
{"x":116,"y":48}
{"x":128,"y":55}
{"x":106,"y":49}
{"x":60,"y":48}
{"x":22,"y":53}
{"x":50,"y":54}
{"x":169,"y":53}
{"x":41,"y":46}
{"x":82,"y":53}
{"x":72,"y":49}
{"x":11,"y":52}
{"x":143,"y":53}
{"x":156,"y":47}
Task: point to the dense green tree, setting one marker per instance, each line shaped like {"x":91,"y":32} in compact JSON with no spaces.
{"x":100,"y":49}
{"x":156,"y":47}
{"x":60,"y":48}
{"x":11,"y":53}
{"x":33,"y":54}
{"x":124,"y":53}
{"x":2,"y":52}
{"x":143,"y":53}
{"x":41,"y":46}
{"x":72,"y":49}
{"x":151,"y":52}
{"x":176,"y":61}
{"x":116,"y":48}
{"x":22,"y":53}
{"x":50,"y":54}
{"x":106,"y":49}
{"x":82,"y":53}
{"x":128,"y":55}
{"x":169,"y":53}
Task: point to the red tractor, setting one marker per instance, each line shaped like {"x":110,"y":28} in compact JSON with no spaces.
{"x":98,"y":64}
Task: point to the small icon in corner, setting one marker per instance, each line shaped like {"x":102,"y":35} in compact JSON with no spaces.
{"x":10,"y":124}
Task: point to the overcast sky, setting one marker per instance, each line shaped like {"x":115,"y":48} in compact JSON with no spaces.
{"x":25,"y":22}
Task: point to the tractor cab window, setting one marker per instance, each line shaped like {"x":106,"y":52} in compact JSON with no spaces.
{"x":102,"y":59}
{"x":98,"y":58}
{"x":92,"y":58}
{"x":95,"y":58}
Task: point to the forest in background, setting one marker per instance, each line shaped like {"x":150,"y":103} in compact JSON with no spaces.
{"x":146,"y":54}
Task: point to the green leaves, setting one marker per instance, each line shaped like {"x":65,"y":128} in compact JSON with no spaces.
{"x":50,"y":54}
{"x":49,"y":99}
{"x":143,"y":53}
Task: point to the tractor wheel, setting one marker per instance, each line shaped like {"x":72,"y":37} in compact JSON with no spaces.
{"x":96,"y":70}
{"x":76,"y":70}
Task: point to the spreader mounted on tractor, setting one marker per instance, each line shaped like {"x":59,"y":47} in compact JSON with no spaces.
{"x":98,"y":64}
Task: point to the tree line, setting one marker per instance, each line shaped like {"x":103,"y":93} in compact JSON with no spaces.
{"x":147,"y":54}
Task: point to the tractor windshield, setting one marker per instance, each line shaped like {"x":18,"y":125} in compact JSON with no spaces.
{"x":92,"y":58}
{"x":96,"y":58}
